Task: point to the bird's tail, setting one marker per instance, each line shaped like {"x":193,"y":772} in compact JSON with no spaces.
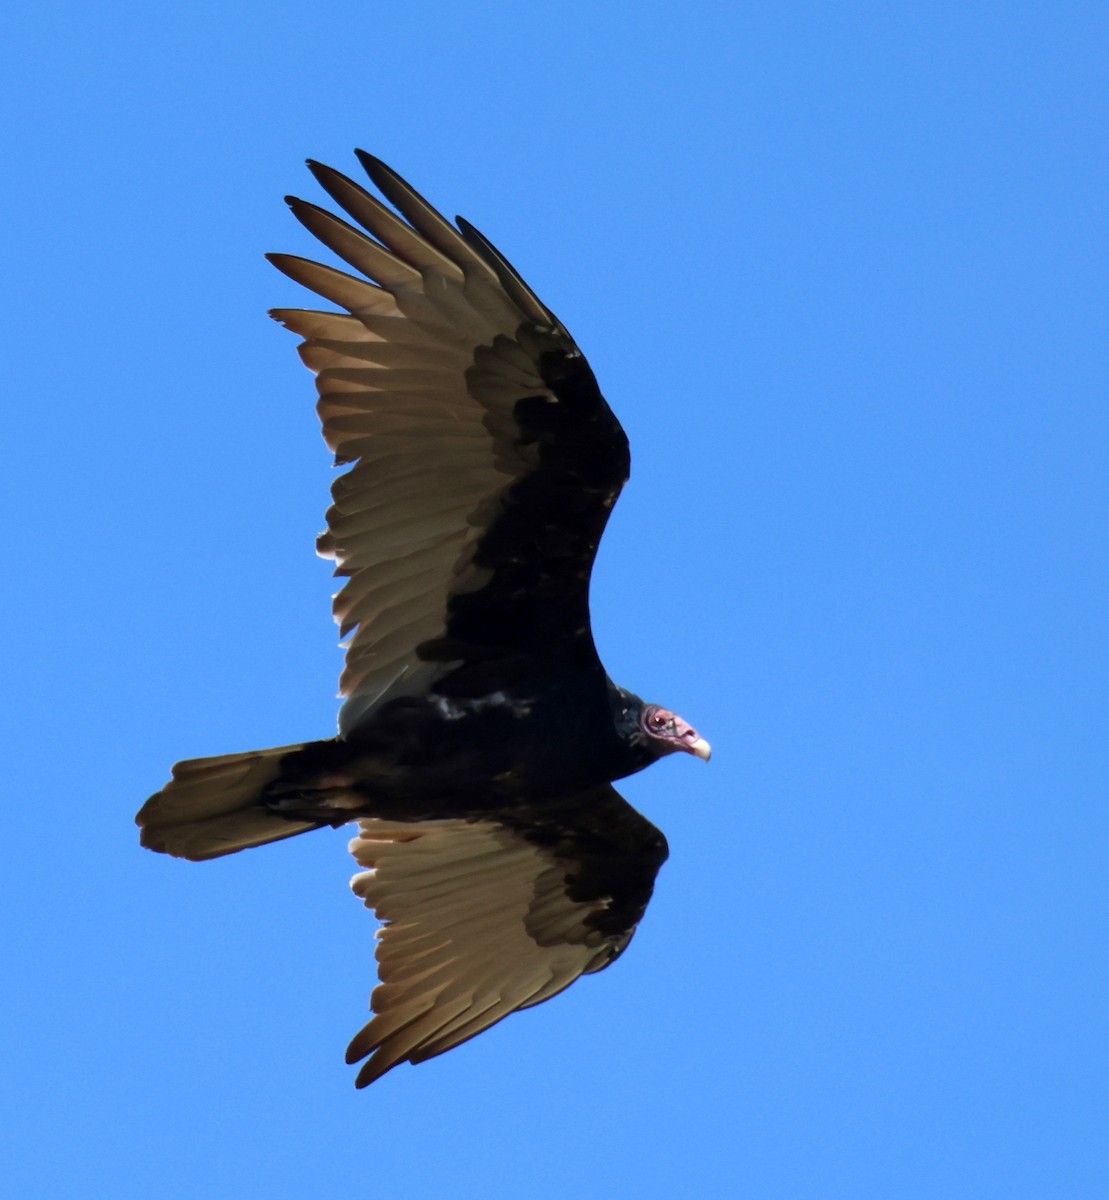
{"x":215,"y":806}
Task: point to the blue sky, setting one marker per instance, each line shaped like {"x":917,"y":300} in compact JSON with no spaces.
{"x":840,"y":269}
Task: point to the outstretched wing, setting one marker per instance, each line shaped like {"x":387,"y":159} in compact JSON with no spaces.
{"x":485,"y":459}
{"x":486,"y":916}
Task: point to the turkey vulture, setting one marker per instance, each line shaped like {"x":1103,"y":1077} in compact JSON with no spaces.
{"x":479,"y":735}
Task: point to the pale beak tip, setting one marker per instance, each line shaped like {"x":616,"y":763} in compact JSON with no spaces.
{"x":702,"y":749}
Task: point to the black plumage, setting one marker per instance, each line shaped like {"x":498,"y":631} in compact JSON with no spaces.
{"x":480,"y":734}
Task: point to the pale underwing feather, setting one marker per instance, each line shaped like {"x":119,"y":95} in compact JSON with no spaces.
{"x":418,"y":383}
{"x":459,"y":899}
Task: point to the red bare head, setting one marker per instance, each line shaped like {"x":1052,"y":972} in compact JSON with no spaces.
{"x":668,"y":732}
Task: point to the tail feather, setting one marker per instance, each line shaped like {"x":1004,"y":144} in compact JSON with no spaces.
{"x":215,"y":806}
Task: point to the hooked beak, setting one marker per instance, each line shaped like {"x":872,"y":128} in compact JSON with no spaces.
{"x":701,"y":748}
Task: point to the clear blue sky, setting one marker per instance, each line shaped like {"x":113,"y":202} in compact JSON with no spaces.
{"x":841,"y":270}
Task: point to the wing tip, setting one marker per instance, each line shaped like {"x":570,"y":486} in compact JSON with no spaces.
{"x":372,"y":164}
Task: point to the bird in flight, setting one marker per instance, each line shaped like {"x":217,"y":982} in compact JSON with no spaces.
{"x":479,"y":735}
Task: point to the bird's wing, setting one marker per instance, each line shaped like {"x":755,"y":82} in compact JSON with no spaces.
{"x":485,"y":459}
{"x":488,"y":915}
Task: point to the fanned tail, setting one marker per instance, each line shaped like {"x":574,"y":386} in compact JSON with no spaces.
{"x":215,"y":806}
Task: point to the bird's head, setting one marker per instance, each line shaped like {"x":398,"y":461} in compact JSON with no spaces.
{"x":667,"y":732}
{"x":651,"y":731}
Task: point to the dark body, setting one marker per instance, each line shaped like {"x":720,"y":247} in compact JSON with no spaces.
{"x":488,"y":752}
{"x":480,"y":733}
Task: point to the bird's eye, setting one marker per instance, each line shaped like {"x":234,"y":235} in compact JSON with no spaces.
{"x":658,"y":721}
